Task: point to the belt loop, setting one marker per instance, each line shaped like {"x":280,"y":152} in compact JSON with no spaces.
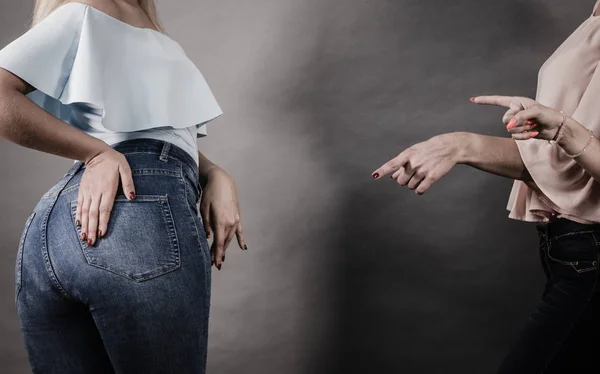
{"x":164,"y":155}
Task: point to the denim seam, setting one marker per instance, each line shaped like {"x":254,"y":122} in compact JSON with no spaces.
{"x":589,"y":299}
{"x":146,"y":153}
{"x":133,"y":172}
{"x":573,"y":264}
{"x":19,"y":268}
{"x":572,"y":234}
{"x":207,"y":262}
{"x":45,"y":254}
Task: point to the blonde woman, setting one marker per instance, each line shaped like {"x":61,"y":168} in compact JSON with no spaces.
{"x":113,"y":266}
{"x":553,"y":158}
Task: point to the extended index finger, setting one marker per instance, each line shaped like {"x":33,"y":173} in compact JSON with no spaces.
{"x":391,"y":166}
{"x":504,"y":101}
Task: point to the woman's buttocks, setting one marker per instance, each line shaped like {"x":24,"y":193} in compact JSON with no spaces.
{"x":146,"y":237}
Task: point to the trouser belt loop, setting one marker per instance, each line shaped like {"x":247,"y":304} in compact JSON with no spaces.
{"x":164,"y":155}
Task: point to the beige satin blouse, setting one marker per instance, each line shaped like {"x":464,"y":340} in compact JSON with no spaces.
{"x":569,"y":81}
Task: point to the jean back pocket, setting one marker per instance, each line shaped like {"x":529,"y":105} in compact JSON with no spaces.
{"x":577,"y":251}
{"x":140,"y":242}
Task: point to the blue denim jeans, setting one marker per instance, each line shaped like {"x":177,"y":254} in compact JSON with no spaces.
{"x":563,"y":334}
{"x":138,"y":300}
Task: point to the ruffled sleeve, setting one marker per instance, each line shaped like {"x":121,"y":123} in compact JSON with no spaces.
{"x":559,"y":182}
{"x":44,"y":55}
{"x":106,"y":76}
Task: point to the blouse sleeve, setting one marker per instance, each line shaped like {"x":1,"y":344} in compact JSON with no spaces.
{"x":588,"y":110}
{"x":560,"y":182}
{"x":43,"y":56}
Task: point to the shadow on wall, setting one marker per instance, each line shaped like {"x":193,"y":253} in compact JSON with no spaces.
{"x":443,"y":282}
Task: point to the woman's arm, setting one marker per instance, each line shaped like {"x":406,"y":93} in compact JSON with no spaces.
{"x":205,"y":166}
{"x":499,"y":156}
{"x":423,"y":164}
{"x":219,"y":209}
{"x":26,"y":124}
{"x":538,"y":121}
{"x":574,"y":139}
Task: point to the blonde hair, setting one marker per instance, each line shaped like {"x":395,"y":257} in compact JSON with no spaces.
{"x":43,"y":8}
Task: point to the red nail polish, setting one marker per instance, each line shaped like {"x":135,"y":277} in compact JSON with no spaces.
{"x":83,"y":236}
{"x":511,"y":124}
{"x":132,"y":195}
{"x":533,"y":134}
{"x":375,"y":175}
{"x":89,"y":242}
{"x":472,"y":99}
{"x":99,"y":234}
{"x":529,"y":122}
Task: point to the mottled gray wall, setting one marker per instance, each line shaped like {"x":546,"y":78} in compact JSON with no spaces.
{"x":345,"y":274}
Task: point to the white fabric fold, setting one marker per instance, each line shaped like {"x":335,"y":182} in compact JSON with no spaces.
{"x":117,"y":77}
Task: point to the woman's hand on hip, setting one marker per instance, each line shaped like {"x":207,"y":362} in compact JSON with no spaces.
{"x":423,"y":164}
{"x":220,"y":213}
{"x":525,"y":118}
{"x":97,"y":191}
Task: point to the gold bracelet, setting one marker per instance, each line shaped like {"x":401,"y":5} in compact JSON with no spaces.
{"x":559,"y":132}
{"x":584,"y":148}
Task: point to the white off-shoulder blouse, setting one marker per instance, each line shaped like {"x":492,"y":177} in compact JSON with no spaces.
{"x":111,"y":79}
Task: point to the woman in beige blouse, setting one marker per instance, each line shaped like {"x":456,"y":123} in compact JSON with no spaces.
{"x":554,"y":157}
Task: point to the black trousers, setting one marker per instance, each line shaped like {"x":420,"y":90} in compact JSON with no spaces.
{"x":563,"y":334}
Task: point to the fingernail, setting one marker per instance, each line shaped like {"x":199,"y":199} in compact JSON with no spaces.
{"x":132,"y":195}
{"x":219,"y":267}
{"x":511,"y":124}
{"x":529,"y":122}
{"x":99,"y":234}
{"x":533,"y":134}
{"x":83,"y":236}
{"x":208,"y":234}
{"x":89,"y":242}
{"x":222,"y":261}
{"x":472,"y":99}
{"x":375,"y":175}
{"x":245,"y":247}
{"x":77,"y":223}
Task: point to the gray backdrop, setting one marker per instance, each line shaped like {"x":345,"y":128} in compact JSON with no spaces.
{"x":344,"y":274}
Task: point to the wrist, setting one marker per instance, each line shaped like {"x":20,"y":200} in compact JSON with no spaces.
{"x":573,"y":137}
{"x":205,"y":174}
{"x":461,"y":146}
{"x":101,"y":148}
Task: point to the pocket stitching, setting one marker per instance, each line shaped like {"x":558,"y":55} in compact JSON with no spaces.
{"x":174,"y":258}
{"x":573,"y":264}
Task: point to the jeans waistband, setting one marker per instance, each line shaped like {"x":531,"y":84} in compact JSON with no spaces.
{"x":563,"y":226}
{"x":164,"y":150}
